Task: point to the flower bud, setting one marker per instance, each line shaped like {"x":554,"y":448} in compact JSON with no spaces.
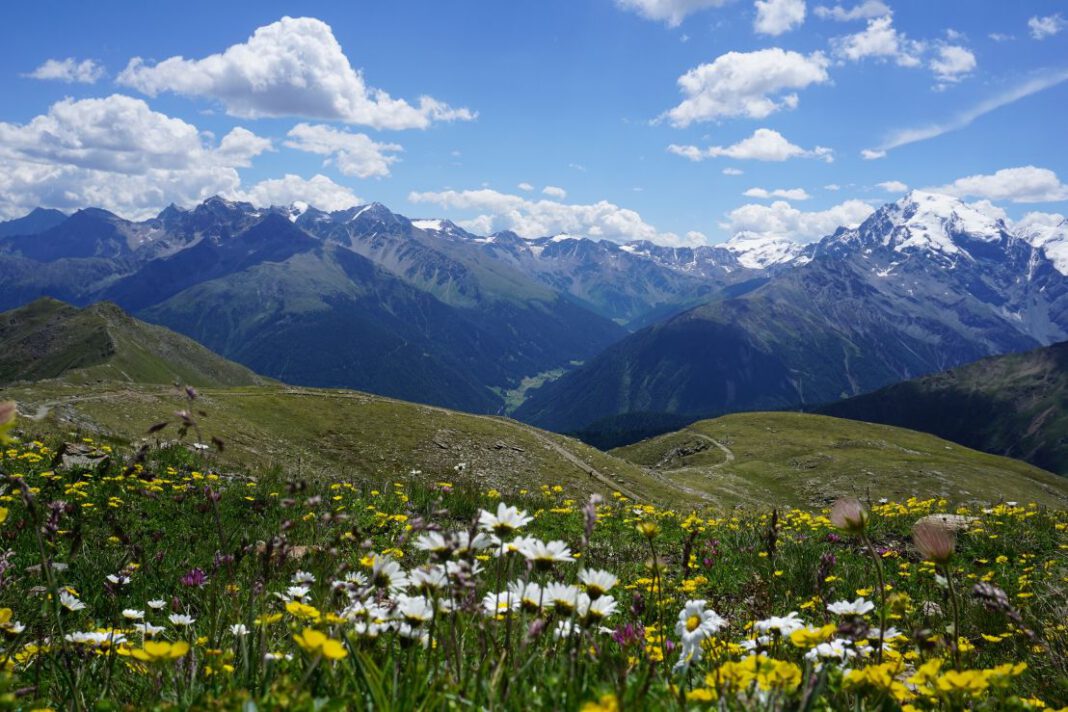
{"x":935,"y":541}
{"x":849,"y":515}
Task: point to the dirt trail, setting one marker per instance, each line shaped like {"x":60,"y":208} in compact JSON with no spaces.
{"x":726,"y":451}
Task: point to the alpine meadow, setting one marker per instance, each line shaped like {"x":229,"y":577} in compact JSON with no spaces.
{"x":575,"y":355}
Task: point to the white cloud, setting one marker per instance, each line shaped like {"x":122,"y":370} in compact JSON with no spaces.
{"x":1043,"y":27}
{"x":318,"y":191}
{"x":537,"y":218}
{"x":69,"y":70}
{"x":293,"y":67}
{"x":881,"y":41}
{"x":525,"y":186}
{"x":672,"y":12}
{"x":733,"y":171}
{"x":863,"y":11}
{"x":750,"y":84}
{"x":355,"y":154}
{"x":780,"y":219}
{"x":893,"y":186}
{"x":1001,"y":37}
{"x":554,"y":192}
{"x":763,"y":145}
{"x":1025,"y":184}
{"x":904,"y":137}
{"x":786,"y":193}
{"x":116,"y":153}
{"x":869,"y":154}
{"x":952,"y":64}
{"x":832,"y":186}
{"x":775,"y":17}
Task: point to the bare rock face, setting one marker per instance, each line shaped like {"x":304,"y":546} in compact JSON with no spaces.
{"x":949,"y":522}
{"x":78,"y":456}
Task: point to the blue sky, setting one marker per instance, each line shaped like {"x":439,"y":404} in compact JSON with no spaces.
{"x":583,"y":97}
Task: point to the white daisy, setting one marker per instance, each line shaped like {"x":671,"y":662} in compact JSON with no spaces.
{"x":181,"y":619}
{"x":70,"y":602}
{"x":597,"y":582}
{"x":505,"y":521}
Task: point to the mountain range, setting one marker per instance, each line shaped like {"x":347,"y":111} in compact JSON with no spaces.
{"x":922,"y":285}
{"x":426,"y":311}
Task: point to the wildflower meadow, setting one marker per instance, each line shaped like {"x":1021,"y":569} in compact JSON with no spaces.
{"x":148,"y":579}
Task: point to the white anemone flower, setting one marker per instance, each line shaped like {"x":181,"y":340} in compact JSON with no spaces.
{"x":181,"y":620}
{"x":858,"y":607}
{"x":783,"y":625}
{"x":147,"y":629}
{"x":696,"y":622}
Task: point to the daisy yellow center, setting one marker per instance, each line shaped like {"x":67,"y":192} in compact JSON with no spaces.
{"x":692,"y":623}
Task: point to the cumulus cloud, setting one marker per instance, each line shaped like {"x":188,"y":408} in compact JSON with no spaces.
{"x":775,"y":17}
{"x":893,"y":186}
{"x":115,"y":152}
{"x":878,"y":40}
{"x":750,"y":84}
{"x":952,"y":63}
{"x":672,"y":12}
{"x":780,"y":219}
{"x":554,"y":192}
{"x":525,"y":186}
{"x":863,"y":11}
{"x":787,"y":193}
{"x":538,"y":218}
{"x":763,"y":145}
{"x":318,"y":191}
{"x":732,"y":171}
{"x":354,"y":154}
{"x":69,"y":70}
{"x":1024,"y":184}
{"x":293,"y":67}
{"x":1043,"y":27}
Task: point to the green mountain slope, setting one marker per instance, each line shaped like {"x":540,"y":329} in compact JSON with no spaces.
{"x":808,"y":460}
{"x":49,"y":339}
{"x":1014,"y":405}
{"x":775,"y":459}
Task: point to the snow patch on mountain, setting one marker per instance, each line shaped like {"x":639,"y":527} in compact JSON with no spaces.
{"x":1047,"y":232}
{"x":757,"y":251}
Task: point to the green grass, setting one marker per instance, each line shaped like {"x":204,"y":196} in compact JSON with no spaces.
{"x":781,"y":459}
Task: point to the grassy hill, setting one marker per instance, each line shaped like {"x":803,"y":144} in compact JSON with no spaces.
{"x":1014,"y":405}
{"x":808,"y":460}
{"x":766,"y":459}
{"x":48,"y":339}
